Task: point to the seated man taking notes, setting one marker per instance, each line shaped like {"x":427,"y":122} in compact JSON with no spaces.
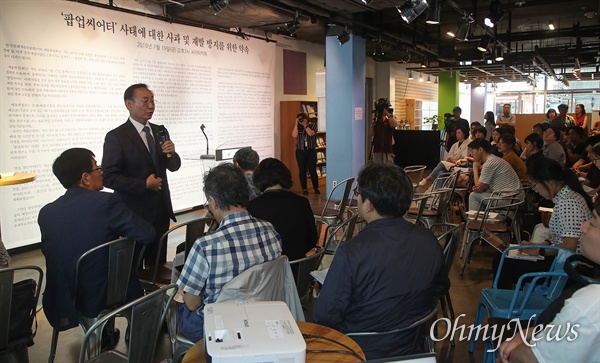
{"x":240,"y":242}
{"x":389,"y":274}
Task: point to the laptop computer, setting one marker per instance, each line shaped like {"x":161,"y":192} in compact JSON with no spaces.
{"x":499,"y":244}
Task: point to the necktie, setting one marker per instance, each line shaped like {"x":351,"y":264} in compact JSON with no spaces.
{"x":151,"y":144}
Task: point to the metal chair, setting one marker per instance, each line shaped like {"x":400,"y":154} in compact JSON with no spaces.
{"x":422,"y":334}
{"x":119,"y":259}
{"x":336,"y":214}
{"x":438,"y":210}
{"x":146,"y":316}
{"x":506,"y":207}
{"x":7,"y":281}
{"x":420,"y":201}
{"x":415,"y":170}
{"x":539,"y":290}
{"x":152,"y":278}
{"x":305,"y":266}
{"x":449,"y":236}
{"x":338,"y":233}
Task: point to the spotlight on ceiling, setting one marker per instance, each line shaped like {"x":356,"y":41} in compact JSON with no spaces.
{"x":499,"y":53}
{"x":218,"y":5}
{"x":343,"y":37}
{"x":423,"y":64}
{"x":436,"y":81}
{"x":428,"y":78}
{"x":378,"y":52}
{"x":463,"y":31}
{"x":496,"y":13}
{"x":433,"y":14}
{"x":421,"y":78}
{"x":293,"y":26}
{"x":367,"y":2}
{"x":451,"y":33}
{"x":410,"y":76}
{"x":412,"y":9}
{"x":551,"y":25}
{"x":484,"y":43}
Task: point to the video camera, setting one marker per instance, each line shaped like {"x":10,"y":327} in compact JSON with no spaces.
{"x":379,"y":106}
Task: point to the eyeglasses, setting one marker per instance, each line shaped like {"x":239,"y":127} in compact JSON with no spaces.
{"x":356,"y":193}
{"x":93,"y":170}
{"x":145,"y":102}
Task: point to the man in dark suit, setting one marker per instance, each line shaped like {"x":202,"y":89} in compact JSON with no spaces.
{"x":82,"y":219}
{"x":135,"y":164}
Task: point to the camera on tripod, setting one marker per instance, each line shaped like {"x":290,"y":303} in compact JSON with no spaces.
{"x":379,"y":106}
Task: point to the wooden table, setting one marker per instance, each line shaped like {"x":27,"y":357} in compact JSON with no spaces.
{"x":18,"y":178}
{"x":197,"y":355}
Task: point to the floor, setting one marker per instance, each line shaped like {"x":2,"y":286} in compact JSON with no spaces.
{"x":464,"y":292}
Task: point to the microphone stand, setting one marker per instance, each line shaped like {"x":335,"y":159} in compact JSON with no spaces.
{"x":207,"y":156}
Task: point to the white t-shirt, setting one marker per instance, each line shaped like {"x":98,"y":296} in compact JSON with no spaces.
{"x":583,"y":308}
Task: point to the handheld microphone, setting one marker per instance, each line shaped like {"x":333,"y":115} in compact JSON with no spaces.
{"x":163,"y":136}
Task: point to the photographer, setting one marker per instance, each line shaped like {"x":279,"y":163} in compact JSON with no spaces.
{"x":382,"y":132}
{"x":306,"y":154}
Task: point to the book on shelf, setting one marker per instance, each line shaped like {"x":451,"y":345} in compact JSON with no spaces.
{"x":309,"y":110}
{"x":320,"y":142}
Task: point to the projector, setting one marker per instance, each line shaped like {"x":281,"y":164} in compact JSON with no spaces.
{"x":251,"y":332}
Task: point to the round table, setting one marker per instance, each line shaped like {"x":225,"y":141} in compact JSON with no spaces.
{"x":17,"y":178}
{"x":196,"y":354}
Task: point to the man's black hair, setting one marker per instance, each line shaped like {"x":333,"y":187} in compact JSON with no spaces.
{"x":480,"y":143}
{"x":270,"y":172}
{"x":227,"y":185}
{"x":506,"y":129}
{"x":246,"y":158}
{"x":128,"y":95}
{"x":535,"y":139}
{"x":482,"y":130}
{"x":71,"y":164}
{"x":387,"y":186}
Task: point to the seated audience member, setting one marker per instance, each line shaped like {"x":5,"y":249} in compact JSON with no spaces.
{"x":480,"y":132}
{"x":564,"y":138}
{"x":550,"y":115}
{"x":592,"y":177}
{"x":581,"y":118}
{"x":496,"y":174}
{"x":240,"y":242}
{"x":572,"y":206}
{"x":582,"y":308}
{"x":595,"y":130}
{"x":575,"y":145}
{"x":490,"y":124}
{"x":389,"y":274}
{"x":584,"y":163}
{"x":495,"y":138}
{"x":458,"y":151}
{"x":509,"y":129}
{"x":552,"y":148}
{"x":247,"y":160}
{"x":81,"y":219}
{"x":290,"y":214}
{"x":506,"y":147}
{"x":533,"y":149}
{"x":562,"y":118}
{"x":538,"y":129}
{"x":474,"y":125}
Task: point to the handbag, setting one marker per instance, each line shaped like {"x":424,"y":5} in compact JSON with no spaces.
{"x":22,"y":313}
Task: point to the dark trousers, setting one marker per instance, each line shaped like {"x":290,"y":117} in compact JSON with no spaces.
{"x":160,"y":222}
{"x":307,"y":161}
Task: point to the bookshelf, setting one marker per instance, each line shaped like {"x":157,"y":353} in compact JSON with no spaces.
{"x":288,"y":111}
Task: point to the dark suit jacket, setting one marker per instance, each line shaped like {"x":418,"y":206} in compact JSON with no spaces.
{"x":74,"y":223}
{"x":127,"y":163}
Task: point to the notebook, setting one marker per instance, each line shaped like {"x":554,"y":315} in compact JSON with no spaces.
{"x":498,"y":244}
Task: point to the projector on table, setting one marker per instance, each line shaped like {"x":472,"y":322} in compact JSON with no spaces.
{"x":249,"y":332}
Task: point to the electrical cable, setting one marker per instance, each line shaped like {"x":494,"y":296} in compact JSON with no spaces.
{"x":349,"y":350}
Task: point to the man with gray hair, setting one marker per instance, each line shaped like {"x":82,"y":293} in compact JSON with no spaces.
{"x":240,"y":242}
{"x":247,"y":160}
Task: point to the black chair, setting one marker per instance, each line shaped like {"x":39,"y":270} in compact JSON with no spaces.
{"x":449,"y":234}
{"x":16,"y":346}
{"x":153,"y":277}
{"x":120,"y":259}
{"x":146,"y":316}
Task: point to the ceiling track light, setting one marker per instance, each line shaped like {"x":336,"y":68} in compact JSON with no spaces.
{"x":218,"y":5}
{"x":484,"y":43}
{"x":423,"y":64}
{"x":499,"y":53}
{"x":433,"y":14}
{"x":428,"y":78}
{"x":463,"y":31}
{"x":367,"y":2}
{"x":410,"y":76}
{"x":343,"y":37}
{"x":421,"y":78}
{"x":294,"y":25}
{"x":378,"y":52}
{"x":496,"y":13}
{"x":436,"y":81}
{"x":551,"y":25}
{"x":412,"y":9}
